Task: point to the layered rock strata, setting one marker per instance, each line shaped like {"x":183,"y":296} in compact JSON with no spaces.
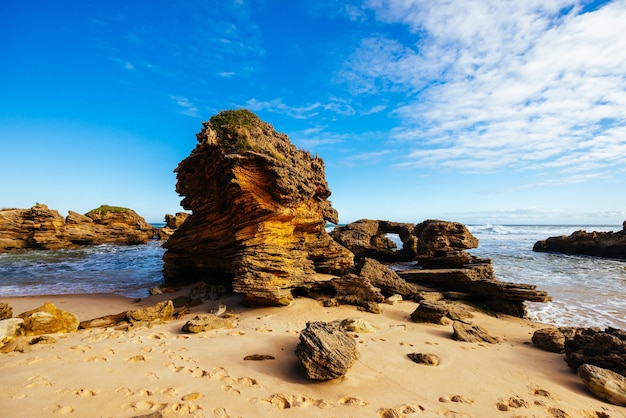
{"x":439,"y":247}
{"x":259,"y":209}
{"x":42,"y":228}
{"x":596,"y":244}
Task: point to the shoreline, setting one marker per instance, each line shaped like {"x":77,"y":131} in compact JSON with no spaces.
{"x":157,"y":368}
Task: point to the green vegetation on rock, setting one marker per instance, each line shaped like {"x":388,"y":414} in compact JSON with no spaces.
{"x":232,"y":127}
{"x":104,"y":209}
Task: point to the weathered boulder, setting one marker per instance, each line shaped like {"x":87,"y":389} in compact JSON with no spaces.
{"x":604,"y":384}
{"x":368,"y":238}
{"x":6,"y":311}
{"x":207,"y":322}
{"x":353,"y":287}
{"x":433,"y":312}
{"x":9,"y":329}
{"x":48,"y":319}
{"x":549,"y":339}
{"x":605,"y":349}
{"x":326,"y":351}
{"x":471,"y":333}
{"x":259,"y":209}
{"x":45,"y":229}
{"x":596,"y":244}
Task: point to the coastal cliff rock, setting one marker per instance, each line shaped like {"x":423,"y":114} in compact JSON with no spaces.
{"x":439,"y":248}
{"x":596,"y":244}
{"x":606,"y":349}
{"x":259,"y":209}
{"x":42,"y":228}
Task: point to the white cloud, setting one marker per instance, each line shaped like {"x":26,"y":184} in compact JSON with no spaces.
{"x":186,"y":107}
{"x":335,"y":106}
{"x":495,"y":85}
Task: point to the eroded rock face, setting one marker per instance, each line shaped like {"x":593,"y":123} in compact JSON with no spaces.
{"x":259,"y":208}
{"x":597,"y":244}
{"x":42,"y":228}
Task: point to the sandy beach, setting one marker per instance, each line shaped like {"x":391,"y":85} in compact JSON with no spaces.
{"x":157,"y":368}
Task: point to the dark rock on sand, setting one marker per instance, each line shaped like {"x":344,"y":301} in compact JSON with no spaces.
{"x":432,"y":312}
{"x":596,"y":244}
{"x":425,"y":358}
{"x":604,"y":384}
{"x":549,"y":339}
{"x":326,"y":351}
{"x":605,"y":349}
{"x":259,"y":210}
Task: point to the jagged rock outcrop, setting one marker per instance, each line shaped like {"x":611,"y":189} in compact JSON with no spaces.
{"x":596,"y":244}
{"x":172,"y":223}
{"x":471,"y":333}
{"x":42,"y":228}
{"x":444,"y":264}
{"x":326,"y":351}
{"x":368,"y":238}
{"x":259,"y":209}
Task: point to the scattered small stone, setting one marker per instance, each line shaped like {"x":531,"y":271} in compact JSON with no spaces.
{"x":501,"y":406}
{"x":43,"y":339}
{"x":392,"y":300}
{"x":461,"y":399}
{"x":355,"y":325}
{"x":259,"y":357}
{"x":207,"y":322}
{"x":6,"y":311}
{"x":191,"y":396}
{"x":425,"y":358}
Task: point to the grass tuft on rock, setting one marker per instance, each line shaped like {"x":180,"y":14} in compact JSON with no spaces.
{"x":104,"y":209}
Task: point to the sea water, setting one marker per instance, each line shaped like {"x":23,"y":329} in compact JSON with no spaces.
{"x":586,"y":291}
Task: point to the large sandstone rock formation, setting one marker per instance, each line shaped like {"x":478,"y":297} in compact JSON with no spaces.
{"x":597,"y":244}
{"x":259,"y":209}
{"x":45,"y":229}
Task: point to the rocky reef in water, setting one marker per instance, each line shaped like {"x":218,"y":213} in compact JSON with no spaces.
{"x":42,"y":228}
{"x":435,"y":251}
{"x":259,"y":209}
{"x":596,"y":244}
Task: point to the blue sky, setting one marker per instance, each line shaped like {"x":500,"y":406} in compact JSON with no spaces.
{"x":485,"y":111}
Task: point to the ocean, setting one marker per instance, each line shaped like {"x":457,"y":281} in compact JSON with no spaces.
{"x":586,"y":291}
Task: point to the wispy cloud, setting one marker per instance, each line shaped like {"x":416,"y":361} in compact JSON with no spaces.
{"x":185,"y":106}
{"x":335,"y":106}
{"x":495,"y":85}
